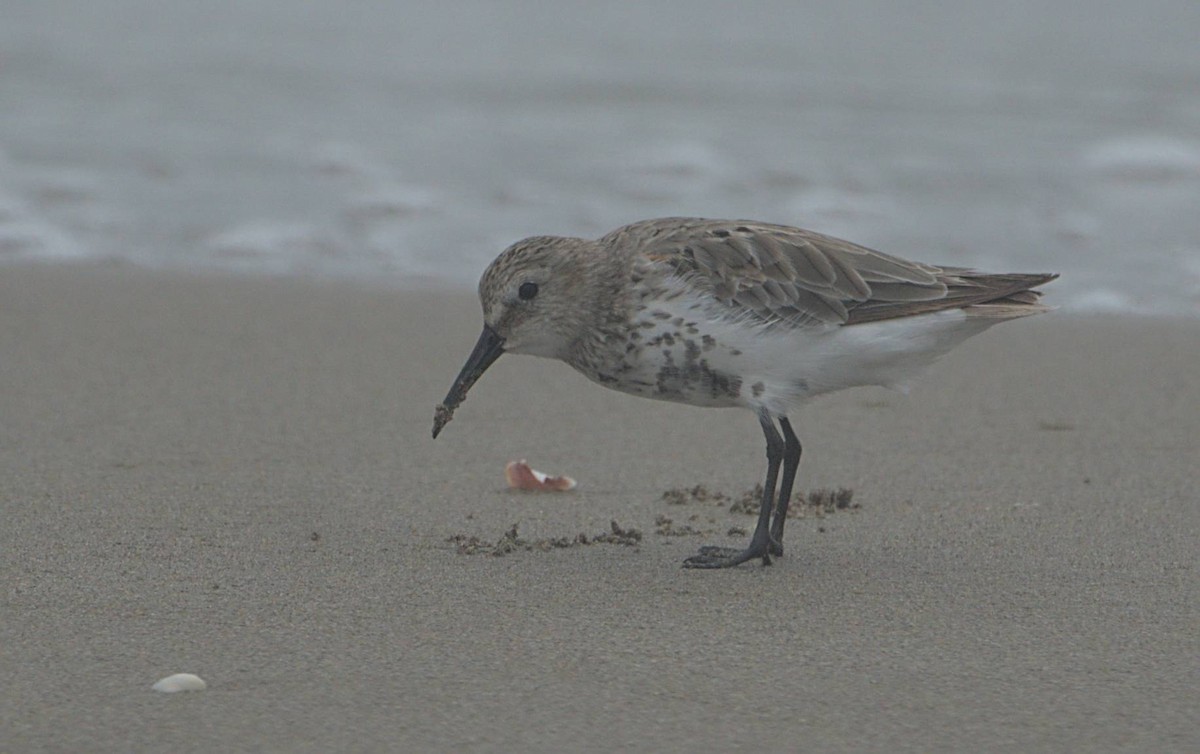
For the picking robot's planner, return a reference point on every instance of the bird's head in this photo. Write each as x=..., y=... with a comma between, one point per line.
x=533, y=303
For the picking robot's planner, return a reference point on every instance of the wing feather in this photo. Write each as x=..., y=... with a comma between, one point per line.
x=778, y=273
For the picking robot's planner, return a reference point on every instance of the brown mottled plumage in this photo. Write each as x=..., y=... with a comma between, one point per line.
x=796, y=275
x=732, y=313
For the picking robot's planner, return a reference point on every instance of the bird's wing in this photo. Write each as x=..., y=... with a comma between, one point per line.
x=783, y=274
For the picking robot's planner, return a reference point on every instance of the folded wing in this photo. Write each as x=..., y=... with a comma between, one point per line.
x=783, y=274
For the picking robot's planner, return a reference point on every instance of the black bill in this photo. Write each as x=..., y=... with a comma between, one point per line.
x=487, y=349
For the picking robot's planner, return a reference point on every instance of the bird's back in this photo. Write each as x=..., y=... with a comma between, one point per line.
x=781, y=274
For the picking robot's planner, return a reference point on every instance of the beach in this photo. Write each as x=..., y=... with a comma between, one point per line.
x=234, y=477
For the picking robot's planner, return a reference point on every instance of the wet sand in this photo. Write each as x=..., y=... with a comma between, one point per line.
x=235, y=478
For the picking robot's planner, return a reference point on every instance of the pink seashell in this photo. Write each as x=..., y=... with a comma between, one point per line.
x=521, y=477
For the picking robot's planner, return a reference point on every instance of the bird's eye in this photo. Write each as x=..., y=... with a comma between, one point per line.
x=527, y=291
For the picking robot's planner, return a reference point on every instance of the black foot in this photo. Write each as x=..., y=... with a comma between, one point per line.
x=716, y=551
x=727, y=557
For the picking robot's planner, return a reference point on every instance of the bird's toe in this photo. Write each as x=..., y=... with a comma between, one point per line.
x=726, y=557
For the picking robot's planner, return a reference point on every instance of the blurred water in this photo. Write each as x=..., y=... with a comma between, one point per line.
x=410, y=142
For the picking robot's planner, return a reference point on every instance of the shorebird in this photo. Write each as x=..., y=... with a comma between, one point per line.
x=733, y=313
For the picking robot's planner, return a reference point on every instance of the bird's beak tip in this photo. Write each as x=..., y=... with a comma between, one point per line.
x=488, y=348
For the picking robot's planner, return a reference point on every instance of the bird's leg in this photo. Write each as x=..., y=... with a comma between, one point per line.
x=760, y=543
x=791, y=461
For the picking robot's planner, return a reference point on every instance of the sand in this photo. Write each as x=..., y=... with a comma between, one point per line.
x=234, y=478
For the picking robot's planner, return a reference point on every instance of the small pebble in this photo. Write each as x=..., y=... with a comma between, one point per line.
x=180, y=682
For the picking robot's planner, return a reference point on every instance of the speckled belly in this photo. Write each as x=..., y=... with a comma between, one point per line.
x=670, y=358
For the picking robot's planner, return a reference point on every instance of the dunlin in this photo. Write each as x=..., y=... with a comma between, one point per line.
x=732, y=313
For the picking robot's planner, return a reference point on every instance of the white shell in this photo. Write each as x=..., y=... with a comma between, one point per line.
x=180, y=682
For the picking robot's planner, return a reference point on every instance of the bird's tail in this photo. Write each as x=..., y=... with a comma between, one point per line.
x=1022, y=302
